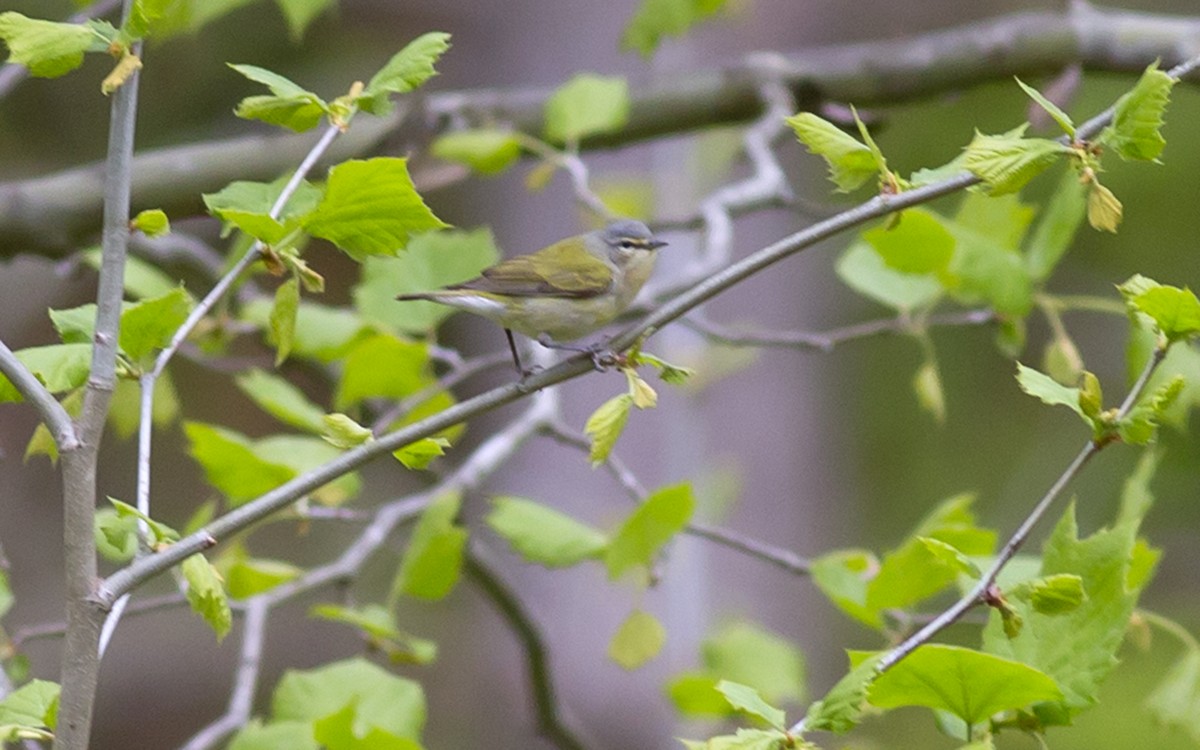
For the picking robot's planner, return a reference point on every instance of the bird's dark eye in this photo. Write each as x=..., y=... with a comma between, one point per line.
x=628, y=244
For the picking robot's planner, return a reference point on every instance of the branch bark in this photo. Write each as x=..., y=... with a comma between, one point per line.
x=51, y=215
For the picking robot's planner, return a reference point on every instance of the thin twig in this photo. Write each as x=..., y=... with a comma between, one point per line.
x=521, y=623
x=57, y=420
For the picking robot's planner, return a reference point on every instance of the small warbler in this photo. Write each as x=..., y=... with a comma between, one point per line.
x=562, y=292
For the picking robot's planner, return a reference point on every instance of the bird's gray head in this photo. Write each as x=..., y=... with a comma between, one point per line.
x=628, y=235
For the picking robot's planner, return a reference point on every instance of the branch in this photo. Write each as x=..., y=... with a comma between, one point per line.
x=127, y=578
x=51, y=411
x=550, y=723
x=983, y=589
x=52, y=214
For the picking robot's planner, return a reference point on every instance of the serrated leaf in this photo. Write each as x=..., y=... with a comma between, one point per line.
x=1104, y=210
x=370, y=207
x=949, y=556
x=282, y=400
x=34, y=704
x=283, y=318
x=116, y=535
x=150, y=324
x=605, y=425
x=418, y=455
x=162, y=533
x=745, y=739
x=379, y=625
x=655, y=522
x=841, y=708
x=432, y=260
x=970, y=684
x=639, y=639
x=433, y=561
x=1057, y=594
x=380, y=699
x=1135, y=131
x=644, y=396
x=247, y=205
x=1175, y=311
x=673, y=374
x=300, y=13
x=231, y=464
x=206, y=594
x=543, y=535
x=152, y=222
x=586, y=105
x=918, y=244
x=405, y=71
x=655, y=19
x=1048, y=390
x=48, y=49
x=486, y=150
x=864, y=271
x=1062, y=118
x=850, y=162
x=290, y=106
x=745, y=698
x=1007, y=162
x=60, y=367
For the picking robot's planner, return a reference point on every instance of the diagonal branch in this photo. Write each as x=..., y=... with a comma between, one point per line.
x=51, y=411
x=53, y=213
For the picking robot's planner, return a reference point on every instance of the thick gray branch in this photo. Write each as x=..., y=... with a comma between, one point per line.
x=52, y=214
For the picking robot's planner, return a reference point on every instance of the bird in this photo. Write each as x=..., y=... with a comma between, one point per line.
x=562, y=292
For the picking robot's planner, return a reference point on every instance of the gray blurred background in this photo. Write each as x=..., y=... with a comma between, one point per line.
x=827, y=450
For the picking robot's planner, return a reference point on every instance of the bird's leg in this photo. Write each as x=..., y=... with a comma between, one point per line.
x=512, y=347
x=602, y=356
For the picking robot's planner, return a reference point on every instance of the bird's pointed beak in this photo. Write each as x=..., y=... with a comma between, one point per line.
x=655, y=244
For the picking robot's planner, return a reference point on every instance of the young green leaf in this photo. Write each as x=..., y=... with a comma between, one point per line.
x=863, y=269
x=639, y=639
x=1135, y=131
x=433, y=560
x=247, y=206
x=152, y=222
x=325, y=334
x=282, y=400
x=383, y=366
x=1057, y=594
x=747, y=699
x=663, y=514
x=927, y=384
x=142, y=280
x=970, y=684
x=379, y=626
x=1048, y=390
x=231, y=463
x=673, y=374
x=405, y=71
x=1062, y=118
x=747, y=739
x=304, y=453
x=47, y=48
x=543, y=535
x=162, y=533
x=1007, y=162
x=747, y=654
x=300, y=13
x=918, y=244
x=655, y=19
x=1057, y=226
x=418, y=455
x=1176, y=700
x=150, y=324
x=850, y=162
x=370, y=207
x=206, y=594
x=1175, y=311
x=839, y=711
x=33, y=705
x=605, y=426
x=380, y=699
x=283, y=318
x=343, y=432
x=586, y=105
x=1104, y=210
x=486, y=150
x=694, y=694
x=290, y=106
x=60, y=367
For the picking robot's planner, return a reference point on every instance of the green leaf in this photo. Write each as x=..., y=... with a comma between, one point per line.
x=370, y=207
x=746, y=739
x=1062, y=118
x=433, y=561
x=1006, y=162
x=694, y=694
x=970, y=684
x=918, y=244
x=290, y=106
x=383, y=366
x=143, y=16
x=323, y=333
x=381, y=699
x=343, y=432
x=586, y=105
x=663, y=514
x=378, y=624
x=655, y=19
x=927, y=384
x=864, y=271
x=231, y=463
x=850, y=162
x=162, y=533
x=152, y=222
x=60, y=367
x=150, y=324
x=1176, y=700
x=282, y=400
x=302, y=454
x=433, y=260
x=249, y=576
x=142, y=280
x=841, y=708
x=1138, y=119
x=34, y=704
x=405, y=71
x=543, y=535
x=116, y=535
x=843, y=576
x=1175, y=311
x=1057, y=227
x=986, y=265
x=1049, y=391
x=1104, y=210
x=1078, y=647
x=949, y=556
x=746, y=698
x=1056, y=594
x=278, y=735
x=337, y=732
x=747, y=654
x=47, y=48
x=673, y=374
x=283, y=318
x=206, y=594
x=639, y=639
x=485, y=150
x=605, y=425
x=300, y=13
x=247, y=206
x=418, y=455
